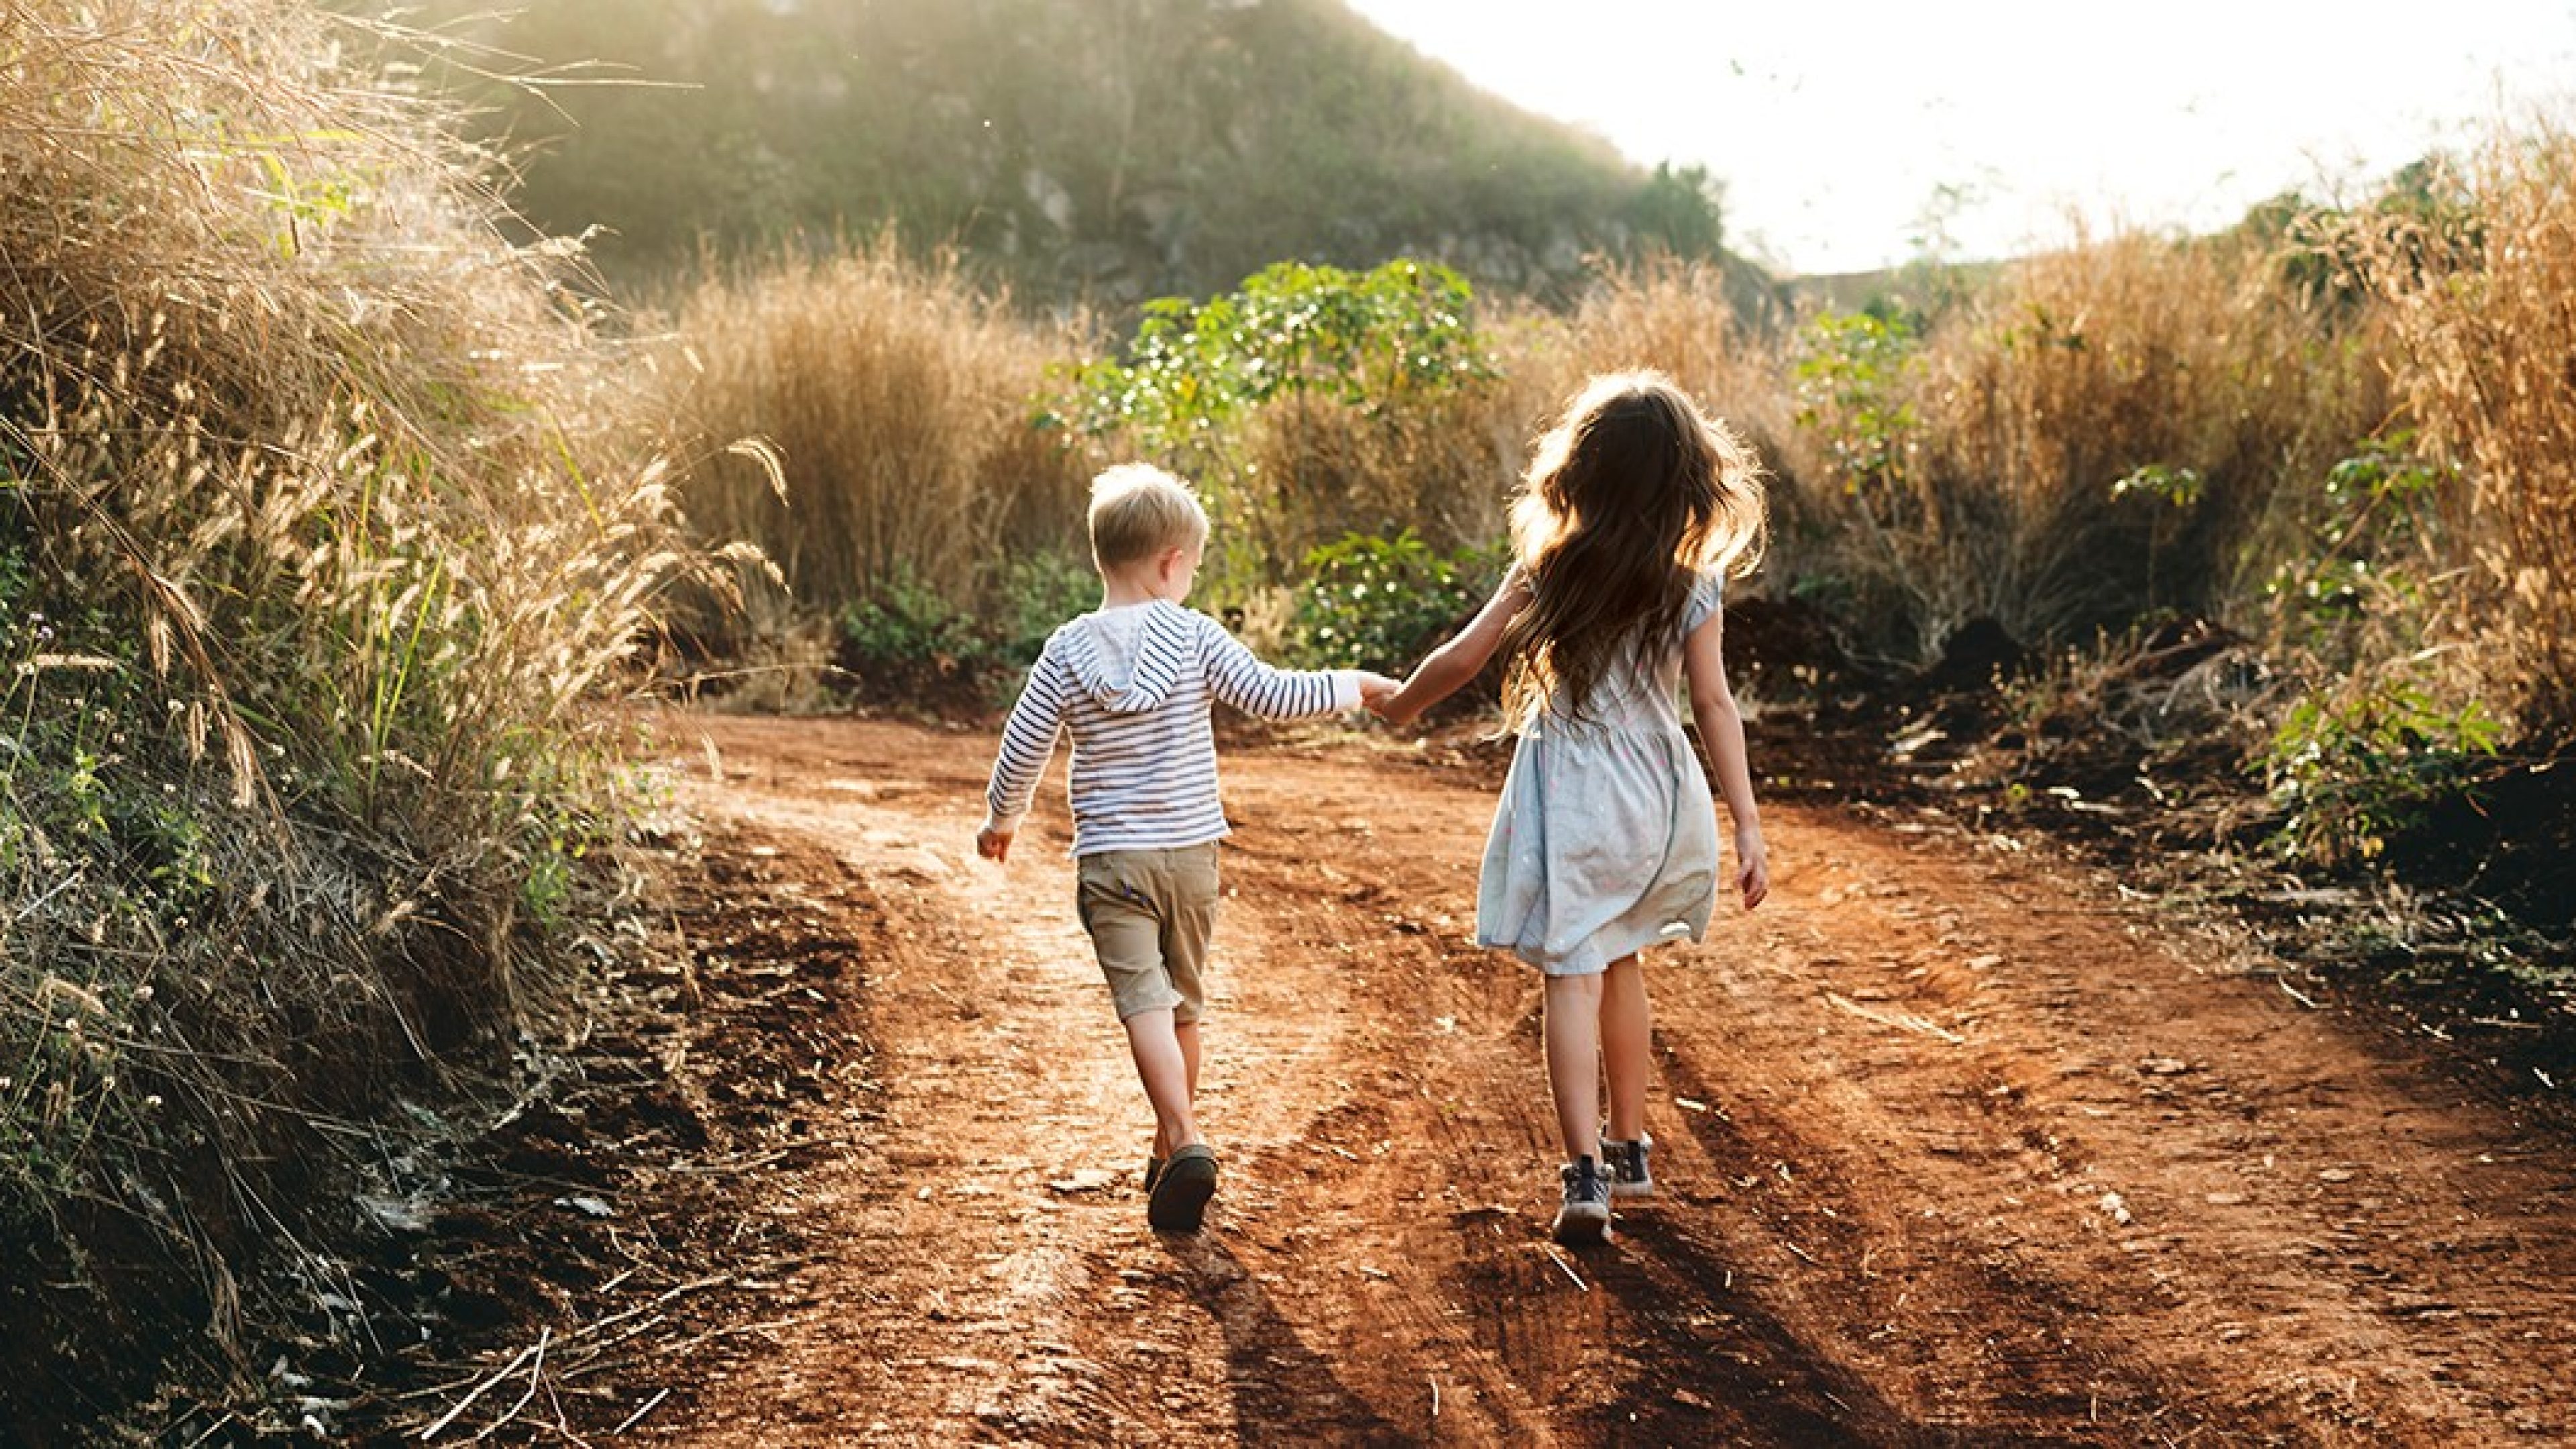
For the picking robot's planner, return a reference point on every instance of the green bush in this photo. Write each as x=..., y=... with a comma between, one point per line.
x=2374, y=535
x=903, y=642
x=2355, y=766
x=1316, y=351
x=1037, y=594
x=1380, y=603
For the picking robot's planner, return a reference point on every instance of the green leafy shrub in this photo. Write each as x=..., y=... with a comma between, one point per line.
x=2387, y=725
x=1372, y=339
x=905, y=643
x=1851, y=374
x=2356, y=589
x=1380, y=603
x=1853, y=377
x=1298, y=353
x=2356, y=766
x=1037, y=594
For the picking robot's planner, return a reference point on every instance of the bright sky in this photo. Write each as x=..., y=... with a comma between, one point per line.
x=1845, y=131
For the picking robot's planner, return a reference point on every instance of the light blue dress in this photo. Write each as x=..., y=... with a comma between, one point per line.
x=1605, y=840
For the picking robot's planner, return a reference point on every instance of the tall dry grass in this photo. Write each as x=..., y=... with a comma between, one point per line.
x=2479, y=287
x=2135, y=423
x=1678, y=318
x=2104, y=430
x=316, y=542
x=895, y=407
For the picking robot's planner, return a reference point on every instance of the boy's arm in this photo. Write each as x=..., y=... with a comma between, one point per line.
x=1237, y=676
x=1446, y=670
x=1028, y=742
x=1721, y=733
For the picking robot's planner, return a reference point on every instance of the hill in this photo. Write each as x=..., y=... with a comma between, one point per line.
x=1113, y=149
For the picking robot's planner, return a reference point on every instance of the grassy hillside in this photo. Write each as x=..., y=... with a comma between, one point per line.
x=320, y=529
x=1116, y=149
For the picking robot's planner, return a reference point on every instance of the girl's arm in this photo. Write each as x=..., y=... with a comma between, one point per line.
x=1721, y=733
x=1446, y=670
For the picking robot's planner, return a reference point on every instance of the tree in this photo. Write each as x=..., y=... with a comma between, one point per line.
x=1681, y=210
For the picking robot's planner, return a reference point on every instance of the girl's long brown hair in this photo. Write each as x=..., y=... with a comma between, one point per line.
x=1629, y=498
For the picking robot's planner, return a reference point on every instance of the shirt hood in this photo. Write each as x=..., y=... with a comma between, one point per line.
x=1127, y=659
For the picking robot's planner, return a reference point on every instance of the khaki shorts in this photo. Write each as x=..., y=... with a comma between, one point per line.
x=1150, y=914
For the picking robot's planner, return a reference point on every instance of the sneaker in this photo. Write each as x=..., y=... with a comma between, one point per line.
x=1626, y=1164
x=1178, y=1202
x=1584, y=1216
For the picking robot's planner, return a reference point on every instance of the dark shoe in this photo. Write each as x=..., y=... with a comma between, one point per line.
x=1625, y=1162
x=1584, y=1216
x=1153, y=1171
x=1178, y=1202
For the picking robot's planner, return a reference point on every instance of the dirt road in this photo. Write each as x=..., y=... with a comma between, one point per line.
x=1955, y=1148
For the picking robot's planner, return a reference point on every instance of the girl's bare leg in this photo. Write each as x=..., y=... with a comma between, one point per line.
x=1627, y=1046
x=1573, y=1030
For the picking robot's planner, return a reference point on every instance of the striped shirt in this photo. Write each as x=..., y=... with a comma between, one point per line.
x=1133, y=685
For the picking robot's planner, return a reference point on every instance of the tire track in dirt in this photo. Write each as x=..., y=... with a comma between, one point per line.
x=1954, y=1149
x=1648, y=1344
x=2137, y=1163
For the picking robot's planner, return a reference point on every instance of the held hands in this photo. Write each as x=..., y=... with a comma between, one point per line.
x=1376, y=690
x=1378, y=693
x=993, y=844
x=1753, y=872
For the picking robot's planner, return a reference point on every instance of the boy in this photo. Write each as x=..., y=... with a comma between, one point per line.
x=1132, y=681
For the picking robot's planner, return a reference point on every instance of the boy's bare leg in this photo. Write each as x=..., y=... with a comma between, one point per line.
x=1165, y=1070
x=1574, y=1061
x=1627, y=1046
x=1188, y=1034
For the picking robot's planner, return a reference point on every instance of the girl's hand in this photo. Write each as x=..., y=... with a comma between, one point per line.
x=1753, y=871
x=993, y=844
x=1375, y=690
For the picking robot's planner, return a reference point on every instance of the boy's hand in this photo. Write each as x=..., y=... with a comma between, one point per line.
x=993, y=844
x=1376, y=690
x=1753, y=873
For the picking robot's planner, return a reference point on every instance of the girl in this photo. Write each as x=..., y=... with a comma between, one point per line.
x=1635, y=509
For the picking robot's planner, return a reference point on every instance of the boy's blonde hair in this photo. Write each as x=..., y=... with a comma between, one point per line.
x=1137, y=510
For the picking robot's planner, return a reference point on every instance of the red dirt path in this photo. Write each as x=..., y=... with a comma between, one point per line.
x=1954, y=1148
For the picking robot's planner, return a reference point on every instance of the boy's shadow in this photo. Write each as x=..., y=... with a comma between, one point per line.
x=1284, y=1392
